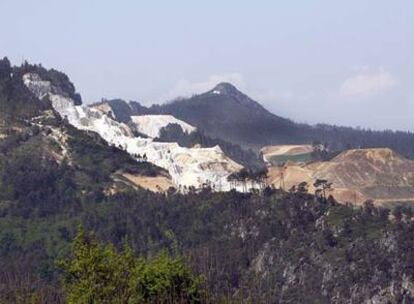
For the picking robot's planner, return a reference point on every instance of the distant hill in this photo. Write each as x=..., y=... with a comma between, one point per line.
x=226, y=113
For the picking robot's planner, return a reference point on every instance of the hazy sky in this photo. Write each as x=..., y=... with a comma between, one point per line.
x=347, y=62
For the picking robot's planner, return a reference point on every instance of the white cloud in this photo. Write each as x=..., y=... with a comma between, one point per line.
x=186, y=88
x=368, y=83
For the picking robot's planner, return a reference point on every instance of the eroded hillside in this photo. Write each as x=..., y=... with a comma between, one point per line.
x=356, y=176
x=188, y=167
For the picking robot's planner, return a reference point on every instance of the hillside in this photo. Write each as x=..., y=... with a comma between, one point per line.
x=188, y=167
x=175, y=130
x=356, y=176
x=57, y=171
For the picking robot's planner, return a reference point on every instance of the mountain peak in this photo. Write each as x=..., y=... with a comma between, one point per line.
x=229, y=91
x=226, y=88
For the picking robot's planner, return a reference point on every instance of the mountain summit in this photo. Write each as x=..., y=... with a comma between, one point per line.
x=225, y=112
x=227, y=89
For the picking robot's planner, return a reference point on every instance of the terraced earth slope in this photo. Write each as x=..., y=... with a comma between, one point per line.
x=357, y=175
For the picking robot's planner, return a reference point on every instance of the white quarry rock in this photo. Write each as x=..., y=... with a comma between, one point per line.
x=187, y=166
x=151, y=125
x=36, y=85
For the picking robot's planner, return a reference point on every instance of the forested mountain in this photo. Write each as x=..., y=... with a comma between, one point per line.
x=267, y=246
x=226, y=113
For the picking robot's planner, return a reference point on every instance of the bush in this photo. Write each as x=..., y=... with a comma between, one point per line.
x=98, y=273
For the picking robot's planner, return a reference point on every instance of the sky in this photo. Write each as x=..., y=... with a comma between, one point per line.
x=315, y=61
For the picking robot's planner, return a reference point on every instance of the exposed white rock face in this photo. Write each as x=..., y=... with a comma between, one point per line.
x=187, y=166
x=151, y=125
x=38, y=86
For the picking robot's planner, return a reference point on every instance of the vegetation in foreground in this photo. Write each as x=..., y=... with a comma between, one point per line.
x=98, y=273
x=277, y=247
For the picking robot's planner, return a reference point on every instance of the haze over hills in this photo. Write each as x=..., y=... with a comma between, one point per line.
x=247, y=180
x=176, y=145
x=221, y=112
x=63, y=164
x=226, y=113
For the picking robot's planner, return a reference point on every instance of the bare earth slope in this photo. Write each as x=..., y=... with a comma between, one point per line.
x=357, y=175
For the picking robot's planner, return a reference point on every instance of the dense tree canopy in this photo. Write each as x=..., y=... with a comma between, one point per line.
x=98, y=273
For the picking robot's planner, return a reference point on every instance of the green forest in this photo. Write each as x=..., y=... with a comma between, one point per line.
x=140, y=247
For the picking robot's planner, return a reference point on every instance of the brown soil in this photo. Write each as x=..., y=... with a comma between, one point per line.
x=357, y=175
x=155, y=184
